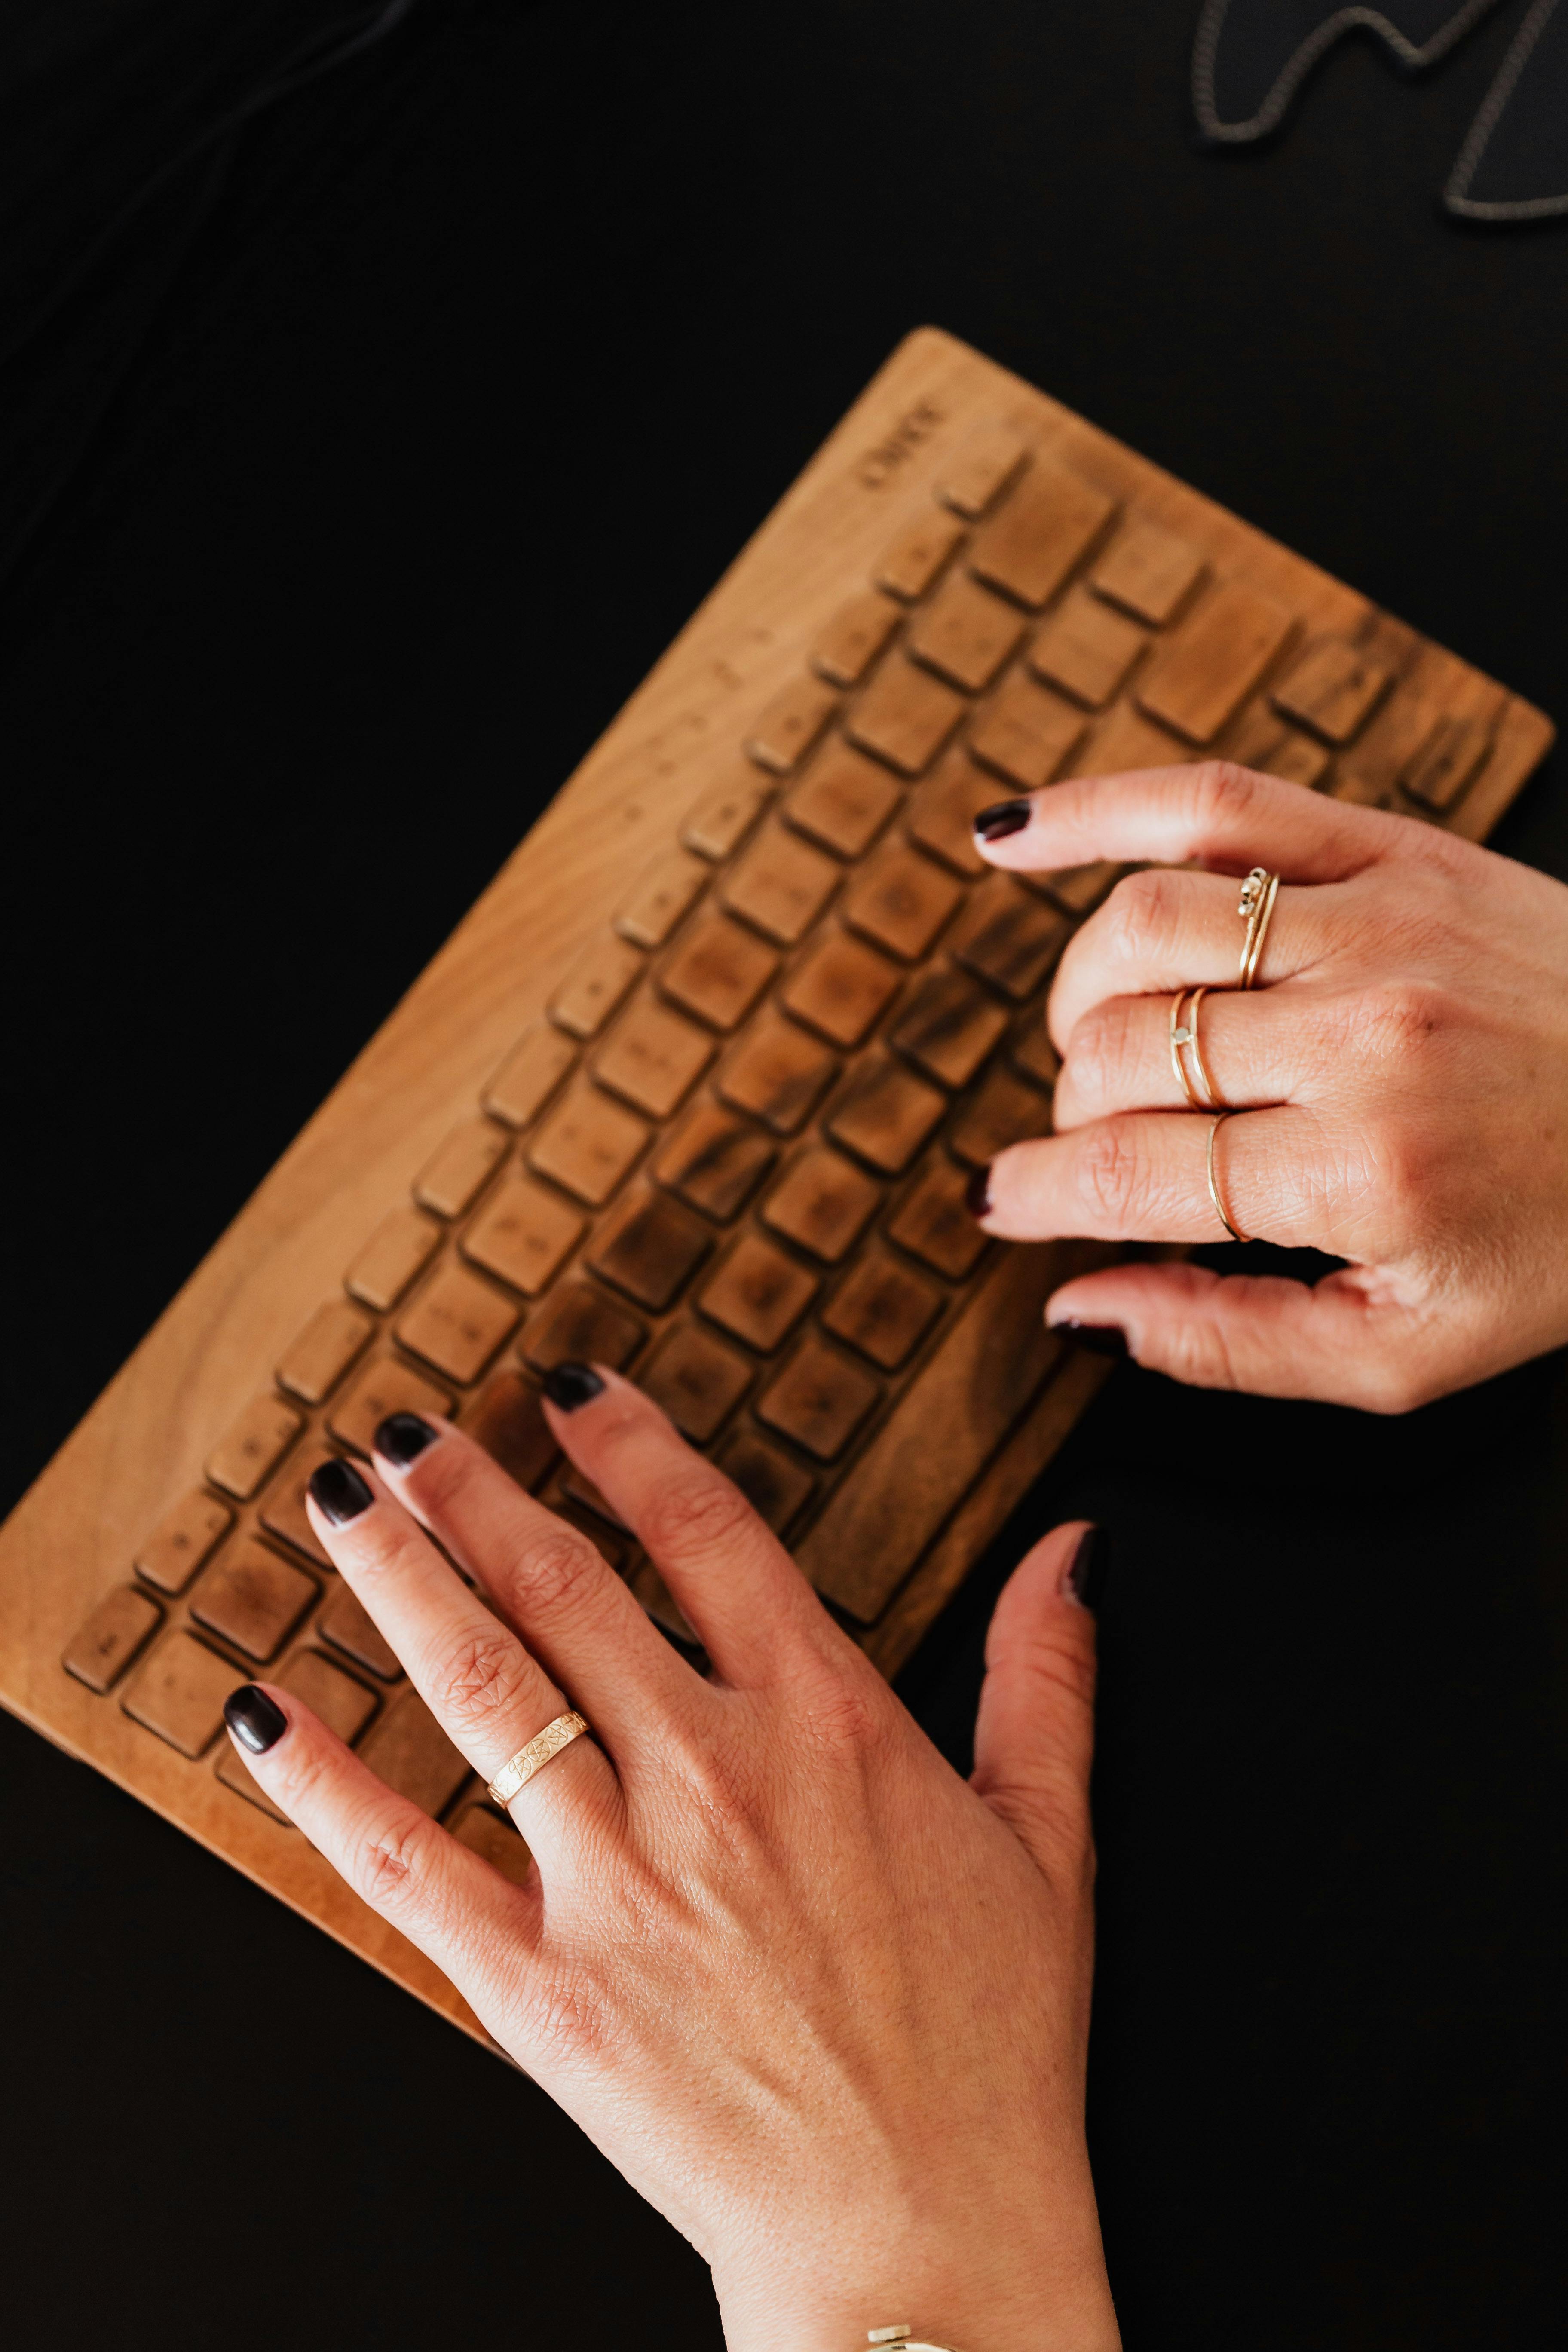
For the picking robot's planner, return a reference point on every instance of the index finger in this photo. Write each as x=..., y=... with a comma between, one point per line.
x=1212, y=811
x=742, y=1591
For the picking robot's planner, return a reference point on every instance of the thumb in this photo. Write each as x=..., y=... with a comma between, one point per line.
x=1034, y=1736
x=1335, y=1340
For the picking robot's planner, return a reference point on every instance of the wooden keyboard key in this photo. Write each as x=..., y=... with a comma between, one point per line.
x=1010, y=937
x=1032, y=1050
x=334, y=1337
x=943, y=810
x=965, y=634
x=823, y=1203
x=588, y=1146
x=781, y=885
x=284, y=1513
x=582, y=1491
x=885, y=1114
x=775, y=1487
x=1081, y=888
x=718, y=970
x=1332, y=690
x=179, y=1692
x=715, y=1160
x=495, y=1841
x=819, y=1399
x=117, y=1632
x=852, y=640
x=905, y=716
x=1448, y=763
x=1086, y=649
x=883, y=1311
x=400, y=1248
x=1148, y=572
x=650, y=1248
x=653, y=1058
x=844, y=801
x=384, y=1386
x=948, y=1028
x=1262, y=739
x=451, y=1181
x=668, y=891
x=840, y=988
x=182, y=1540
x=1041, y=535
x=981, y=469
x=523, y=1233
x=922, y=550
x=408, y=1749
x=529, y=1075
x=934, y=1223
x=253, y=1448
x=901, y=901
x=758, y=1293
x=599, y=977
x=1201, y=676
x=458, y=1322
x=506, y=1418
x=723, y=817
x=941, y=1434
x=696, y=1379
x=349, y=1626
x=579, y=1326
x=1025, y=733
x=777, y=1072
x=791, y=725
x=1125, y=742
x=1002, y=1110
x=252, y=1597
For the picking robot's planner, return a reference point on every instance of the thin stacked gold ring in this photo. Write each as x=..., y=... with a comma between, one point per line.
x=1256, y=907
x=1184, y=1037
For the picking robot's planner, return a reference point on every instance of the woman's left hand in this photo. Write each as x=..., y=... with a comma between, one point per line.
x=822, y=2002
x=1402, y=1063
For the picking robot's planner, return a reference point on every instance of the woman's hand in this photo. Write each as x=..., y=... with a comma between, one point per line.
x=1403, y=1058
x=823, y=2003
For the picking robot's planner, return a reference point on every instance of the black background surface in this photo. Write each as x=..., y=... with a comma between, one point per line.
x=343, y=506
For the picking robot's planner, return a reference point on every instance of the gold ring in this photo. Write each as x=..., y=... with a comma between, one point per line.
x=1185, y=1033
x=1219, y=1208
x=1256, y=907
x=519, y=1769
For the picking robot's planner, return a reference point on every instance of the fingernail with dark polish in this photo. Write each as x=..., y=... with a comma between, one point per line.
x=1084, y=1575
x=1003, y=817
x=571, y=1385
x=402, y=1437
x=1099, y=1338
x=977, y=1192
x=257, y=1721
x=339, y=1493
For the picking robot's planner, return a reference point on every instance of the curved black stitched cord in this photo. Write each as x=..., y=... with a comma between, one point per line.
x=1333, y=28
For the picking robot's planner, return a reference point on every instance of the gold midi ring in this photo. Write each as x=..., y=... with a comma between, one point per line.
x=519, y=1770
x=1221, y=1212
x=1184, y=1034
x=1256, y=907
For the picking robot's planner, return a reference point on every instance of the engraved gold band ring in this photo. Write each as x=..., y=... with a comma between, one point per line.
x=519, y=1769
x=1256, y=907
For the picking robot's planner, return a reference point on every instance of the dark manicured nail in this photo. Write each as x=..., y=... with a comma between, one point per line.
x=403, y=1437
x=339, y=1492
x=257, y=1721
x=1084, y=1575
x=1003, y=817
x=571, y=1385
x=977, y=1192
x=1099, y=1338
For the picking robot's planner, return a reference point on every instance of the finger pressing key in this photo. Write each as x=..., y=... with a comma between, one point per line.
x=490, y=1696
x=751, y=1606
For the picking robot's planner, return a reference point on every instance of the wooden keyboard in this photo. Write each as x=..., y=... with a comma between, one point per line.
x=696, y=1088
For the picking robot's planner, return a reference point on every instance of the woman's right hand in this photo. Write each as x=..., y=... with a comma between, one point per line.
x=822, y=2002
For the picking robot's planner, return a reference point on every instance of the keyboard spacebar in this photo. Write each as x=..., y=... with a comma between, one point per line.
x=940, y=1437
